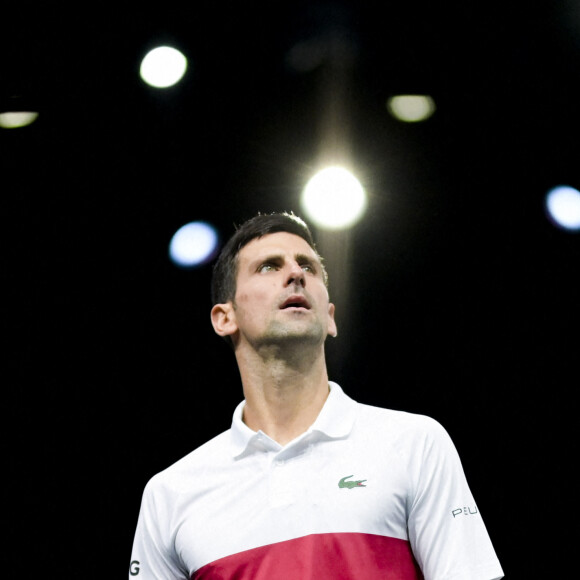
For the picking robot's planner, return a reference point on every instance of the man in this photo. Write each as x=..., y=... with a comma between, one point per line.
x=307, y=483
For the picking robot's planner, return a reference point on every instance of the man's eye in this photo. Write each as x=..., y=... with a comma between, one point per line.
x=308, y=268
x=266, y=268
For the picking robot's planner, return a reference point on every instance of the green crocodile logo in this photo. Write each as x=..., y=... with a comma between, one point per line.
x=351, y=484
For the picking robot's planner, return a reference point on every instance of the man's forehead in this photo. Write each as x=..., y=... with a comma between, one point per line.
x=276, y=243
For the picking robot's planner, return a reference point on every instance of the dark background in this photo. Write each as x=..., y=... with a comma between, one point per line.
x=458, y=297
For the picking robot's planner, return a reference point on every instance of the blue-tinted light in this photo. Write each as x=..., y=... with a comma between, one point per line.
x=193, y=244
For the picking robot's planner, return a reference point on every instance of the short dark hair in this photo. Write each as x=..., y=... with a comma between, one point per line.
x=225, y=270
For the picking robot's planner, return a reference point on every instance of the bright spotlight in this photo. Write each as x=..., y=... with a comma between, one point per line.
x=334, y=199
x=563, y=207
x=411, y=108
x=163, y=67
x=17, y=119
x=193, y=244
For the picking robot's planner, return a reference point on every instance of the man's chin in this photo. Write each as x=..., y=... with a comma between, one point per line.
x=296, y=333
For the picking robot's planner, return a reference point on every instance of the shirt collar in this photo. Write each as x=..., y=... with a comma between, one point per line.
x=334, y=421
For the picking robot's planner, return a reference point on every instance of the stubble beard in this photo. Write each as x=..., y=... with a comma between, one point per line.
x=292, y=336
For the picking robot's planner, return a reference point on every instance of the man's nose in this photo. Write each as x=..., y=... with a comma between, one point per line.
x=296, y=275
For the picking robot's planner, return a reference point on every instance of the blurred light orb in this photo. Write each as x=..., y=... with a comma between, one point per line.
x=17, y=119
x=334, y=199
x=411, y=108
x=163, y=67
x=563, y=207
x=193, y=244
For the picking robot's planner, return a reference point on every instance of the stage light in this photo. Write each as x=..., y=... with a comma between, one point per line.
x=193, y=244
x=334, y=199
x=411, y=108
x=163, y=67
x=17, y=119
x=563, y=207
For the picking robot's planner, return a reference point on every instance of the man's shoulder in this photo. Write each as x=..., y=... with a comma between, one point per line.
x=201, y=459
x=398, y=421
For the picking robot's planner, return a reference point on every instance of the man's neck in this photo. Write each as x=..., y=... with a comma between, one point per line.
x=283, y=399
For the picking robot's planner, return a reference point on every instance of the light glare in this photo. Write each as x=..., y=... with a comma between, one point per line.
x=162, y=67
x=334, y=199
x=16, y=119
x=411, y=108
x=193, y=244
x=563, y=207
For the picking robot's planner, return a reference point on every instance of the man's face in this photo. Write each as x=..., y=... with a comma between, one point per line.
x=280, y=292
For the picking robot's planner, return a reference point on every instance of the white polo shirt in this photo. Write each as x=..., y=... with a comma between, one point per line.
x=364, y=493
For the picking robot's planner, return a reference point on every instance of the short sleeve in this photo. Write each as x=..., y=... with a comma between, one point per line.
x=153, y=556
x=446, y=530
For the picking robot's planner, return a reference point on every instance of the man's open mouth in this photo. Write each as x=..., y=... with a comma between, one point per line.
x=295, y=302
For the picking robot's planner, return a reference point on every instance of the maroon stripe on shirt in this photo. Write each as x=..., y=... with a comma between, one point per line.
x=319, y=557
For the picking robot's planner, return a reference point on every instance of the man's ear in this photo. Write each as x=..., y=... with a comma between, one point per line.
x=223, y=319
x=332, y=329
